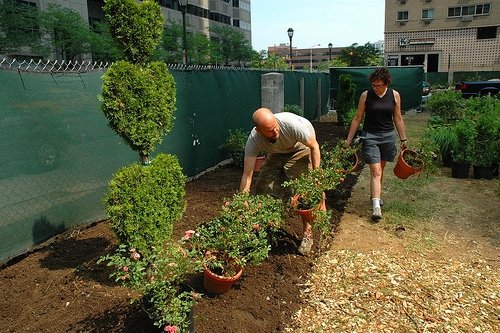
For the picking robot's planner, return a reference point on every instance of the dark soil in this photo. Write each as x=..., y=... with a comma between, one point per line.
x=60, y=288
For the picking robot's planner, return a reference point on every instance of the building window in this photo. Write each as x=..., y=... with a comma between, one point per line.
x=403, y=16
x=427, y=14
x=487, y=33
x=483, y=9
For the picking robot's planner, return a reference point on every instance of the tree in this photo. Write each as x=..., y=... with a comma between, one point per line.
x=19, y=26
x=272, y=61
x=337, y=62
x=170, y=47
x=365, y=55
x=199, y=49
x=103, y=45
x=231, y=45
x=70, y=36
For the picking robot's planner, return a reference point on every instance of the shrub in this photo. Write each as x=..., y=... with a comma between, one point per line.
x=137, y=27
x=139, y=103
x=144, y=202
x=235, y=145
x=485, y=113
x=447, y=105
x=293, y=108
x=465, y=132
x=347, y=89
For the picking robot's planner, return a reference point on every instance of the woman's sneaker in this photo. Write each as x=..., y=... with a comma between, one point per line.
x=377, y=214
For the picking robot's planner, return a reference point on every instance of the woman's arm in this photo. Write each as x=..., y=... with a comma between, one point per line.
x=398, y=119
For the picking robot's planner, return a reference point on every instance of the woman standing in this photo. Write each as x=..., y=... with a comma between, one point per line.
x=380, y=107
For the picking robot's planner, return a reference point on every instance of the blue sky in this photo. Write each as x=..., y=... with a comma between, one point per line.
x=340, y=22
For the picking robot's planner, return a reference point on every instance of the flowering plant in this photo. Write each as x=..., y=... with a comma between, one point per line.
x=310, y=186
x=239, y=235
x=159, y=277
x=339, y=157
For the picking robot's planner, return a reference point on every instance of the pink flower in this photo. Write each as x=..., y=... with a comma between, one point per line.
x=188, y=234
x=135, y=256
x=125, y=268
x=170, y=329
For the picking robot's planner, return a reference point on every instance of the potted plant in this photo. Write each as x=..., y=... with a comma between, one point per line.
x=486, y=114
x=409, y=163
x=339, y=157
x=445, y=139
x=237, y=237
x=159, y=281
x=308, y=190
x=462, y=149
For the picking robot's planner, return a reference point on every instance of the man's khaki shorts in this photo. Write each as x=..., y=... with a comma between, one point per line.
x=278, y=168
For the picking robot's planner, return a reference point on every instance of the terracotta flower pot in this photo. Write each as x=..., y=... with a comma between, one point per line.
x=216, y=284
x=404, y=170
x=355, y=163
x=307, y=215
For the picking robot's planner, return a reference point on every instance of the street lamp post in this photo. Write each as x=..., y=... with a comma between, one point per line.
x=330, y=51
x=183, y=5
x=311, y=58
x=290, y=35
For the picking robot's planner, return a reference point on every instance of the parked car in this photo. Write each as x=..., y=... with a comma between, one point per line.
x=478, y=88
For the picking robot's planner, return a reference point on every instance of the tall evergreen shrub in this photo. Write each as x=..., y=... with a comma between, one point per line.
x=347, y=89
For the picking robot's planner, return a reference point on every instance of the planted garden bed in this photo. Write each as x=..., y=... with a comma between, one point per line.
x=61, y=288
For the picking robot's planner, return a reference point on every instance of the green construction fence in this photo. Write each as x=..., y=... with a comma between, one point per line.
x=58, y=153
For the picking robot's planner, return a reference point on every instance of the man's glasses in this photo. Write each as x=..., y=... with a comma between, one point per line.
x=378, y=85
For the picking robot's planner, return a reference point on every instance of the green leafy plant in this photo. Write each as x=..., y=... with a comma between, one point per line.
x=347, y=89
x=446, y=105
x=444, y=139
x=462, y=150
x=159, y=277
x=485, y=113
x=136, y=26
x=293, y=108
x=139, y=102
x=143, y=203
x=339, y=158
x=235, y=145
x=310, y=186
x=240, y=234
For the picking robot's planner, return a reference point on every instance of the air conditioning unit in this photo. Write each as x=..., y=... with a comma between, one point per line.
x=404, y=41
x=428, y=0
x=467, y=18
x=427, y=21
x=402, y=1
